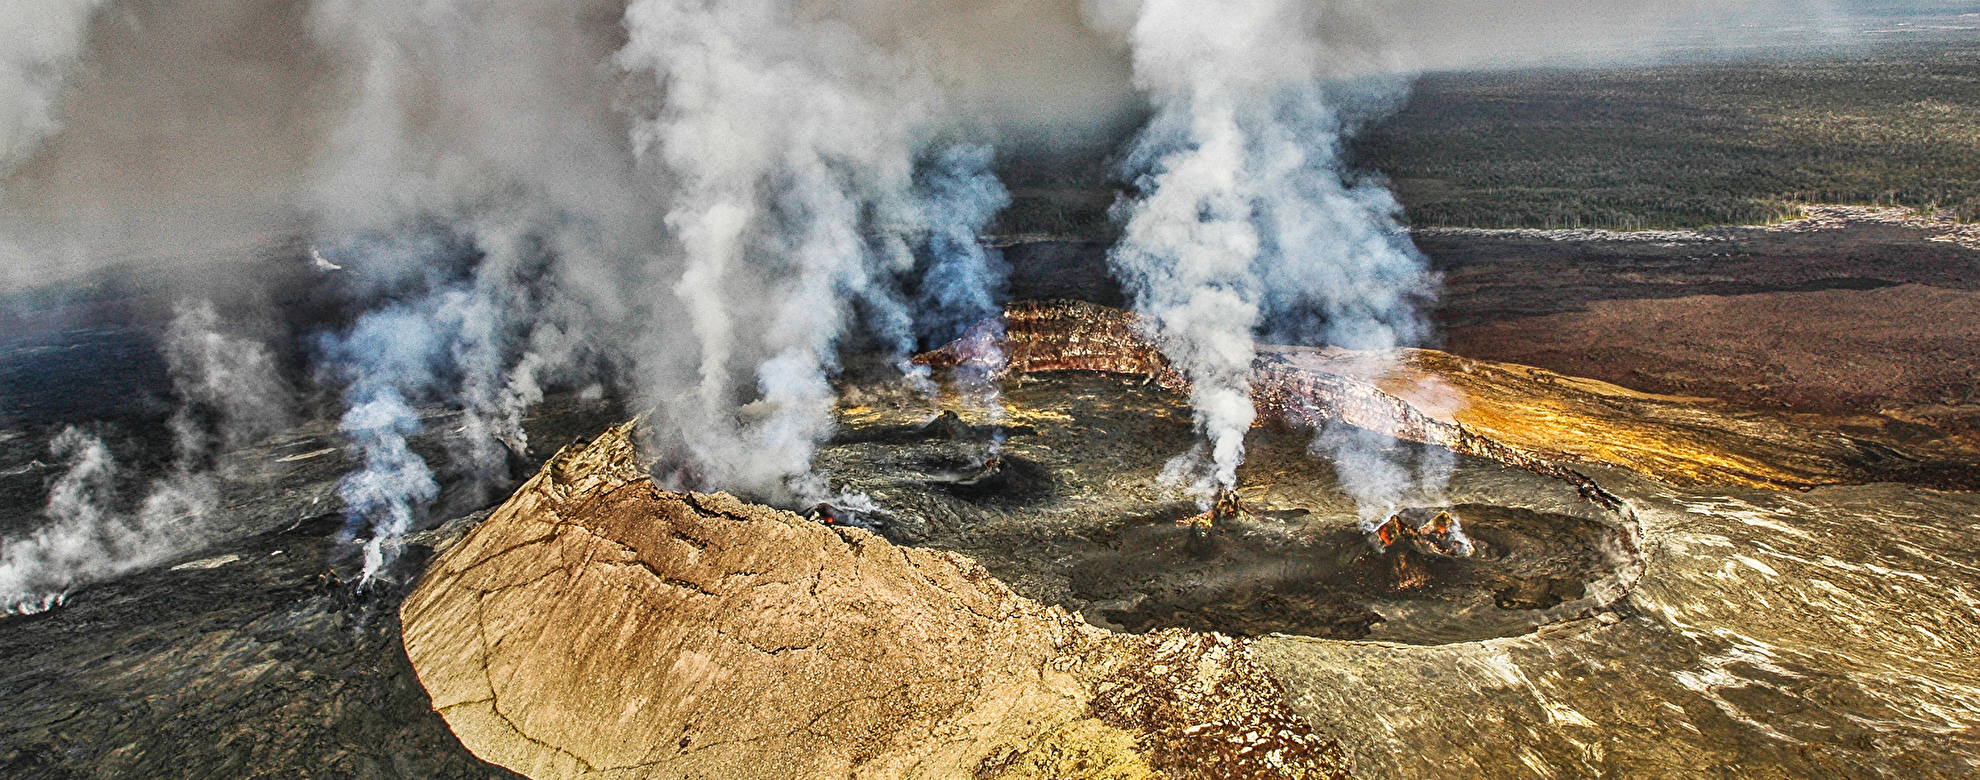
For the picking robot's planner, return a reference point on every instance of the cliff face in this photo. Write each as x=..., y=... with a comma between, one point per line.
x=597, y=626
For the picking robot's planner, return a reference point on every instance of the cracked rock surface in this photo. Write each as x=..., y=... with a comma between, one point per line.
x=597, y=626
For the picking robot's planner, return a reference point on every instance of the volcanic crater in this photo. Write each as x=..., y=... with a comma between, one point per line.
x=1071, y=508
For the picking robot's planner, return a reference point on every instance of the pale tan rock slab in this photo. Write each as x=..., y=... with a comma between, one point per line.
x=596, y=626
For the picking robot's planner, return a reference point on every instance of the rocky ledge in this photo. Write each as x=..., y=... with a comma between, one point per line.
x=598, y=626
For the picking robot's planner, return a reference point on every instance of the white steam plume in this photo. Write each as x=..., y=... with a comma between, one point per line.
x=387, y=356
x=479, y=178
x=771, y=203
x=786, y=193
x=785, y=146
x=231, y=396
x=1248, y=216
x=84, y=539
x=207, y=123
x=1250, y=222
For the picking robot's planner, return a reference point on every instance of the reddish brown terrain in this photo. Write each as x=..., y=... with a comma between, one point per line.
x=1866, y=319
x=1857, y=320
x=1910, y=350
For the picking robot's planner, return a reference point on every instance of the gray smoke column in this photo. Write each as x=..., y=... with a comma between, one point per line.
x=231, y=396
x=489, y=391
x=231, y=376
x=784, y=144
x=1247, y=216
x=84, y=538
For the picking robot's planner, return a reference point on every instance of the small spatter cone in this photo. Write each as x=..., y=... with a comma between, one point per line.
x=1225, y=505
x=1428, y=530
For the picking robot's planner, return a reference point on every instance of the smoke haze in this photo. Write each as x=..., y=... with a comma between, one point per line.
x=145, y=130
x=700, y=204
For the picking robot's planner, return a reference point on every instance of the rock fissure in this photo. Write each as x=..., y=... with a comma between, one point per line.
x=563, y=570
x=498, y=554
x=493, y=700
x=673, y=581
x=495, y=706
x=700, y=505
x=774, y=650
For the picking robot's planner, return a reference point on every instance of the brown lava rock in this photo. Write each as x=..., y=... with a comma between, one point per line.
x=597, y=626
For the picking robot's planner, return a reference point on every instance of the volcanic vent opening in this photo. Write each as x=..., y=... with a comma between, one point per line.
x=1064, y=501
